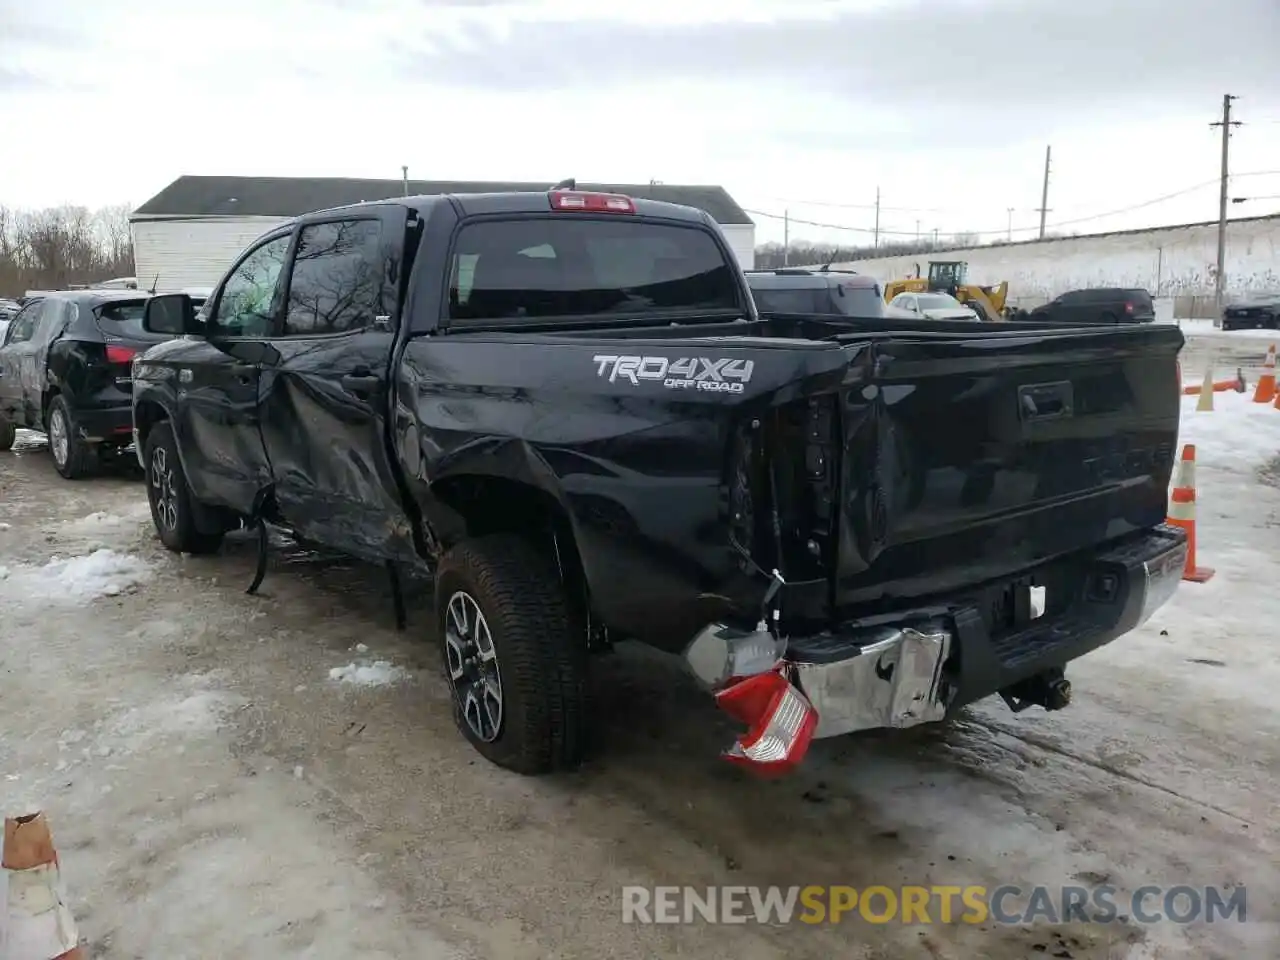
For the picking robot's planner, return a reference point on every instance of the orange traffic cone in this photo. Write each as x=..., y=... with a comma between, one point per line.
x=1236, y=383
x=1265, y=391
x=39, y=925
x=1182, y=512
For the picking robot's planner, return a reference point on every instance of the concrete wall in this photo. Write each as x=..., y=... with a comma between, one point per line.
x=1175, y=262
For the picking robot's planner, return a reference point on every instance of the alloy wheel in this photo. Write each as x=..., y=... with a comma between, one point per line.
x=164, y=493
x=59, y=437
x=473, y=666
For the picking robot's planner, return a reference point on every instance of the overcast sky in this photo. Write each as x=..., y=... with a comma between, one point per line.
x=803, y=106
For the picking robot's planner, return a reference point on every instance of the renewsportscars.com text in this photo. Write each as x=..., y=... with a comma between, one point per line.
x=1007, y=904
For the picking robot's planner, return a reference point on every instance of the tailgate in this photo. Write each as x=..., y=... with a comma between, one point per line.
x=971, y=457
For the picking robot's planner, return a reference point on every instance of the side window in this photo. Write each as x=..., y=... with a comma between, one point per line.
x=336, y=282
x=244, y=305
x=53, y=319
x=24, y=324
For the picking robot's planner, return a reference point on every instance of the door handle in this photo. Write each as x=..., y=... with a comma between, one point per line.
x=361, y=383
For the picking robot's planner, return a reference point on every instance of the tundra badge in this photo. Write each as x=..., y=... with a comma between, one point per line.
x=724, y=375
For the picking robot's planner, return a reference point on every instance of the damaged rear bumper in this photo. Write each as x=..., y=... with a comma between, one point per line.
x=916, y=666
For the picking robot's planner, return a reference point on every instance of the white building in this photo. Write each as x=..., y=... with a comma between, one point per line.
x=187, y=235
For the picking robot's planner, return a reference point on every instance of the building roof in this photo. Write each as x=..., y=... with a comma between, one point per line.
x=294, y=196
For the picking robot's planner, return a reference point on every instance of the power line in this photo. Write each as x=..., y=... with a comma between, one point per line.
x=1005, y=230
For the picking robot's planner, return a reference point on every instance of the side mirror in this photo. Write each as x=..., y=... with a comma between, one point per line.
x=173, y=314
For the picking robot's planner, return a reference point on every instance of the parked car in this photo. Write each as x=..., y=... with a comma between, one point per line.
x=566, y=406
x=65, y=371
x=803, y=290
x=934, y=306
x=1261, y=312
x=1096, y=305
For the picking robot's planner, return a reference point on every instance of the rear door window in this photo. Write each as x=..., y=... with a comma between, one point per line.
x=568, y=266
x=335, y=284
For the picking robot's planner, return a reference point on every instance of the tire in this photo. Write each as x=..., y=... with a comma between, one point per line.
x=537, y=657
x=72, y=457
x=8, y=434
x=169, y=496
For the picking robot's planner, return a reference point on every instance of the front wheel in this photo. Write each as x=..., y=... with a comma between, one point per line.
x=516, y=665
x=170, y=496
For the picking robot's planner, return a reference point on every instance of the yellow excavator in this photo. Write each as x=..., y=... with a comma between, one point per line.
x=951, y=276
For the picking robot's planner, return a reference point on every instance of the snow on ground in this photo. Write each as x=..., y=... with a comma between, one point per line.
x=103, y=573
x=380, y=673
x=1204, y=327
x=101, y=523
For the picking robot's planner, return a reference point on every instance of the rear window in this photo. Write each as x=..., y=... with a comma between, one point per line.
x=936, y=301
x=568, y=267
x=122, y=318
x=791, y=301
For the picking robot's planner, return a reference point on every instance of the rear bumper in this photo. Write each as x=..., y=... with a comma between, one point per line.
x=107, y=423
x=911, y=667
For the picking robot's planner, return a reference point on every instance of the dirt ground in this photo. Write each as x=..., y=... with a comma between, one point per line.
x=215, y=792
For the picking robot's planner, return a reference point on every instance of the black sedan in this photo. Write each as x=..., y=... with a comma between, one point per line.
x=1255, y=313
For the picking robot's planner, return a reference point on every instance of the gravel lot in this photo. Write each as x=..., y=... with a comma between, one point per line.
x=216, y=792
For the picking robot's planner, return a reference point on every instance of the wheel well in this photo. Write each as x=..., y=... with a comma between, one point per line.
x=145, y=416
x=490, y=505
x=46, y=402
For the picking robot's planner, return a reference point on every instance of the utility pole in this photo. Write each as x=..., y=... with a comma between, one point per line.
x=877, y=240
x=404, y=173
x=1226, y=123
x=935, y=237
x=1009, y=235
x=917, y=231
x=786, y=237
x=1044, y=192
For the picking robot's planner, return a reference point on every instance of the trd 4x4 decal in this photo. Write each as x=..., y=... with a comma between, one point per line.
x=686, y=373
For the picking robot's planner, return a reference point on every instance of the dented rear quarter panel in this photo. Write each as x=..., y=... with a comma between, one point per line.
x=639, y=468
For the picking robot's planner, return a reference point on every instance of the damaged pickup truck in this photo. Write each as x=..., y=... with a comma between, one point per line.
x=567, y=408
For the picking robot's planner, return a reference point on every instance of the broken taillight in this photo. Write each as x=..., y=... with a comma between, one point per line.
x=780, y=720
x=120, y=354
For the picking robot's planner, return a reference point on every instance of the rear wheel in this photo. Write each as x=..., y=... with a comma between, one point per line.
x=72, y=457
x=170, y=496
x=516, y=665
x=8, y=434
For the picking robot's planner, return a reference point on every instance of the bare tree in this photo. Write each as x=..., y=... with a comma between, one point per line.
x=61, y=246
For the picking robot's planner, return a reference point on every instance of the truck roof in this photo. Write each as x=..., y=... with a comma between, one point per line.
x=478, y=204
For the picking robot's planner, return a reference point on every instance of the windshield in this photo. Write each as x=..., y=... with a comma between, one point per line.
x=567, y=267
x=938, y=301
x=122, y=318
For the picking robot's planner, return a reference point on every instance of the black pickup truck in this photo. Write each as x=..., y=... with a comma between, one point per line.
x=565, y=406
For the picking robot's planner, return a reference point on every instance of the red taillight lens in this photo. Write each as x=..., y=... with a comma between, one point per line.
x=781, y=723
x=591, y=202
x=120, y=354
x=1128, y=306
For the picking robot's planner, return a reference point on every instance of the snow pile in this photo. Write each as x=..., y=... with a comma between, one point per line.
x=103, y=573
x=380, y=673
x=107, y=523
